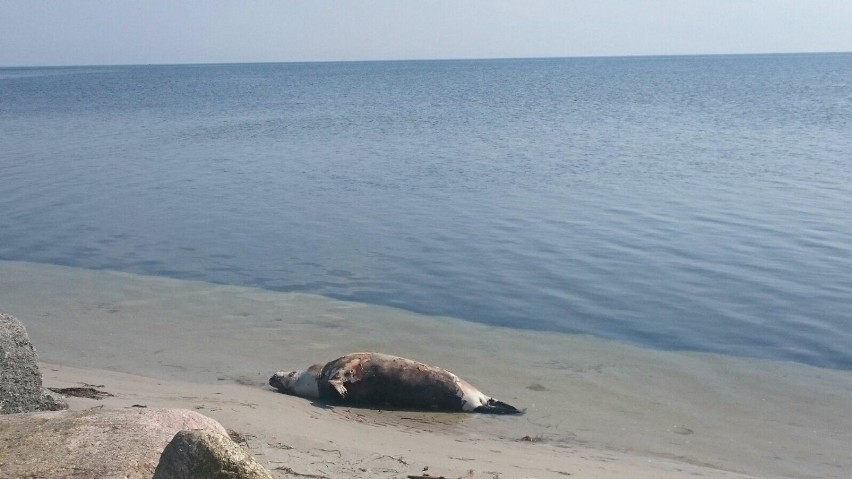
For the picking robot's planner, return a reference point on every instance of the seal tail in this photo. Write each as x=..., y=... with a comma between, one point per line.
x=497, y=407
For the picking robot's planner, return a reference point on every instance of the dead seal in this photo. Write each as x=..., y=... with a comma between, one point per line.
x=384, y=380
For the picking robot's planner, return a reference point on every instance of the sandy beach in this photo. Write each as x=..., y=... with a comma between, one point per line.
x=594, y=408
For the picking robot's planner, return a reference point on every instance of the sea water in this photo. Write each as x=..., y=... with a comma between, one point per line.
x=700, y=203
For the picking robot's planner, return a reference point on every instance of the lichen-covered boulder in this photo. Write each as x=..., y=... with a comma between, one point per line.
x=102, y=443
x=20, y=379
x=196, y=453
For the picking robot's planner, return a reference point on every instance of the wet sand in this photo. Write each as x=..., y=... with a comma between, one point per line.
x=594, y=408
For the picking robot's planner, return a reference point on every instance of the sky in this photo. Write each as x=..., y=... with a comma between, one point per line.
x=104, y=32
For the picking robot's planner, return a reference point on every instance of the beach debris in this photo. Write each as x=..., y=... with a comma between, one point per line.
x=236, y=437
x=82, y=392
x=291, y=472
x=468, y=475
x=335, y=451
x=528, y=438
x=281, y=445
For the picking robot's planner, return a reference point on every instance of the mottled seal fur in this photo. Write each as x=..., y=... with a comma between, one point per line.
x=384, y=380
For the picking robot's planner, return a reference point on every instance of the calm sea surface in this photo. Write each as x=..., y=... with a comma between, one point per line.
x=700, y=203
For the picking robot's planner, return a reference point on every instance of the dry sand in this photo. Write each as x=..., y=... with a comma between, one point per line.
x=594, y=408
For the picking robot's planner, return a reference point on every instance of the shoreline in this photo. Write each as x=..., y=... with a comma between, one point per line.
x=595, y=408
x=293, y=437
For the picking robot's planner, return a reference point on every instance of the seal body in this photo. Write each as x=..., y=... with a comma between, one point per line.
x=384, y=380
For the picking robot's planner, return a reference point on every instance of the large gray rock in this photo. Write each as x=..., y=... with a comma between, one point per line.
x=102, y=443
x=195, y=454
x=20, y=379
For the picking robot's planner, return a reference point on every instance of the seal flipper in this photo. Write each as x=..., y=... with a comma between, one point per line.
x=338, y=386
x=494, y=406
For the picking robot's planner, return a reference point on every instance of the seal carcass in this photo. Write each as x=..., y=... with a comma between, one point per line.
x=384, y=380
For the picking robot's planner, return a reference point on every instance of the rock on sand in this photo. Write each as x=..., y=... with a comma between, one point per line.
x=198, y=453
x=103, y=443
x=20, y=379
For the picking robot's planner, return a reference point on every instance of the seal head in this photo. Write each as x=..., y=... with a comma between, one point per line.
x=298, y=383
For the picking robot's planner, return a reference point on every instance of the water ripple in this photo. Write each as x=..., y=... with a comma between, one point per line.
x=693, y=203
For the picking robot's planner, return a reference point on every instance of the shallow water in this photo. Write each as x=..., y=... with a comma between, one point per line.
x=694, y=203
x=764, y=418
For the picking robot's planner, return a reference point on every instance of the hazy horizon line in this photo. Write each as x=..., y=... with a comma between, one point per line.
x=389, y=60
